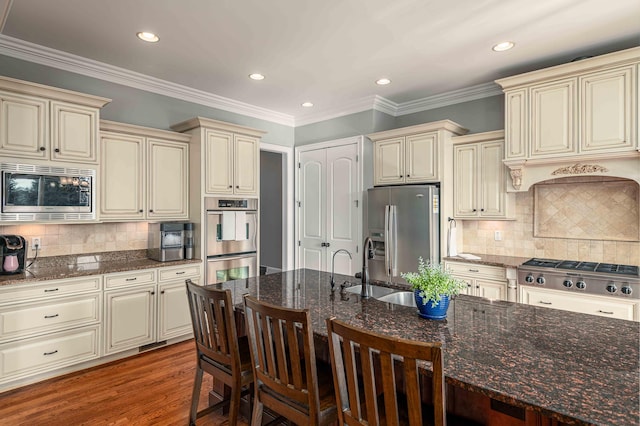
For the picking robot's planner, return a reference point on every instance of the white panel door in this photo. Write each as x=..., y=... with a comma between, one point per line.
x=312, y=214
x=343, y=207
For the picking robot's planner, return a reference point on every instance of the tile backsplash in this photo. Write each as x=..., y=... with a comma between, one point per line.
x=518, y=239
x=59, y=239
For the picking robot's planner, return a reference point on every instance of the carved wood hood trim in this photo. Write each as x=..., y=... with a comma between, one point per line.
x=525, y=173
x=579, y=169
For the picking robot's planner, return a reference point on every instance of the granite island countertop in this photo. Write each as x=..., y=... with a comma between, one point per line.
x=70, y=266
x=577, y=368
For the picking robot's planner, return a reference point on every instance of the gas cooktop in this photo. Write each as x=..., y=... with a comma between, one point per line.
x=605, y=268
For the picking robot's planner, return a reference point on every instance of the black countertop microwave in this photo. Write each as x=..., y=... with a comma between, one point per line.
x=34, y=192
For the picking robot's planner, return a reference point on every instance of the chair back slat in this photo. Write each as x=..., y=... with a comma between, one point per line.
x=214, y=327
x=380, y=357
x=275, y=337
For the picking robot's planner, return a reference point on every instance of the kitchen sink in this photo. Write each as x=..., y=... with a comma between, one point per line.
x=376, y=291
x=404, y=298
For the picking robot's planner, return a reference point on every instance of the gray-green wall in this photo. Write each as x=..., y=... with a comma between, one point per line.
x=136, y=106
x=144, y=108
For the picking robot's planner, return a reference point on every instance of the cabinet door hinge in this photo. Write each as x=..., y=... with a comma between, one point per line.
x=299, y=165
x=357, y=203
x=299, y=203
x=299, y=243
x=357, y=158
x=356, y=249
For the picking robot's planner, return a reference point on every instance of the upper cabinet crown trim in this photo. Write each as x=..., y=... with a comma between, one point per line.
x=54, y=93
x=131, y=129
x=420, y=128
x=216, y=125
x=610, y=60
x=478, y=137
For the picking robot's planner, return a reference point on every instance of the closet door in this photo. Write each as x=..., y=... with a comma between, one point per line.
x=312, y=214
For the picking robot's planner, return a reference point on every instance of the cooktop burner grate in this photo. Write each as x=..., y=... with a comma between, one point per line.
x=606, y=268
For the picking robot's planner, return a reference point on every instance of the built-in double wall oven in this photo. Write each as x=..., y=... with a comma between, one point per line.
x=231, y=244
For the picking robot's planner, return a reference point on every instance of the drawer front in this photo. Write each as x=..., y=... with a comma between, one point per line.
x=147, y=276
x=476, y=270
x=55, y=288
x=34, y=356
x=170, y=274
x=583, y=303
x=23, y=320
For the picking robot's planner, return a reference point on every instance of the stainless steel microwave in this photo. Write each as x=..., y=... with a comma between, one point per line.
x=33, y=192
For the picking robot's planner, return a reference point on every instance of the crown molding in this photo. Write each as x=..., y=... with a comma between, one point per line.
x=466, y=94
x=42, y=55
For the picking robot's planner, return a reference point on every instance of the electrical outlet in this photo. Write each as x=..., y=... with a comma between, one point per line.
x=497, y=235
x=36, y=243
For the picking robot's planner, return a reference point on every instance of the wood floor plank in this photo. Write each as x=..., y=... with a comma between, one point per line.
x=153, y=388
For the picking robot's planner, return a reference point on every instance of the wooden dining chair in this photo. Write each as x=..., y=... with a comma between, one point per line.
x=361, y=360
x=220, y=352
x=288, y=379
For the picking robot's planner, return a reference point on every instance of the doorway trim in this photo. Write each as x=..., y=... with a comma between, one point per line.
x=287, y=202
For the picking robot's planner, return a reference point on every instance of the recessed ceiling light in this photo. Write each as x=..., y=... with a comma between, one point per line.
x=147, y=36
x=307, y=104
x=383, y=81
x=502, y=46
x=256, y=76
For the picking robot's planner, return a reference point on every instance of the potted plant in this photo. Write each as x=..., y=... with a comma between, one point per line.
x=433, y=287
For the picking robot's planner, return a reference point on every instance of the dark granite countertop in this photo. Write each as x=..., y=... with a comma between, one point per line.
x=492, y=260
x=59, y=267
x=577, y=368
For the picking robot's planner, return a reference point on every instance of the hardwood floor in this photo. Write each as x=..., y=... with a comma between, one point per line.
x=153, y=388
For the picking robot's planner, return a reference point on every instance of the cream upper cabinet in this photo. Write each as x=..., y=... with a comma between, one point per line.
x=24, y=124
x=553, y=118
x=606, y=110
x=575, y=109
x=41, y=122
x=479, y=183
x=233, y=163
x=411, y=154
x=228, y=156
x=144, y=173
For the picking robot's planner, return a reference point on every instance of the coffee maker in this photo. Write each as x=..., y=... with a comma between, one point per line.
x=13, y=253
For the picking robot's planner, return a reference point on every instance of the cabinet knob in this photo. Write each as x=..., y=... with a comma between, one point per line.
x=230, y=186
x=153, y=293
x=408, y=175
x=162, y=292
x=57, y=150
x=42, y=148
x=401, y=176
x=475, y=210
x=140, y=211
x=481, y=210
x=150, y=211
x=238, y=186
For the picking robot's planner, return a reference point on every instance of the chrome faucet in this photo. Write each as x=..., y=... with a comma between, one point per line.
x=333, y=264
x=367, y=253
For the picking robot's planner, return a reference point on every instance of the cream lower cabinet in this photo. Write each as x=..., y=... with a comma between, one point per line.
x=147, y=306
x=174, y=318
x=482, y=280
x=480, y=177
x=144, y=174
x=604, y=306
x=48, y=326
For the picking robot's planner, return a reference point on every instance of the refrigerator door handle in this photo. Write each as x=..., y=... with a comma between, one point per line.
x=387, y=240
x=393, y=227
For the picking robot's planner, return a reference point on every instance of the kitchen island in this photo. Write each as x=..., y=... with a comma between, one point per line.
x=575, y=368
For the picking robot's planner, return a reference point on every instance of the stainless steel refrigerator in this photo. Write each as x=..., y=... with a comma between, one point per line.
x=404, y=224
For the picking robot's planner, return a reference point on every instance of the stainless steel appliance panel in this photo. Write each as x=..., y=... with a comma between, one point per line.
x=216, y=246
x=221, y=269
x=403, y=222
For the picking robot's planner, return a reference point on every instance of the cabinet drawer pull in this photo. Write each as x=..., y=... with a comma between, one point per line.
x=131, y=279
x=474, y=270
x=180, y=273
x=51, y=316
x=545, y=303
x=605, y=312
x=49, y=290
x=50, y=353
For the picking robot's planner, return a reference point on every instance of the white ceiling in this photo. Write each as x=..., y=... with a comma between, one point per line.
x=329, y=52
